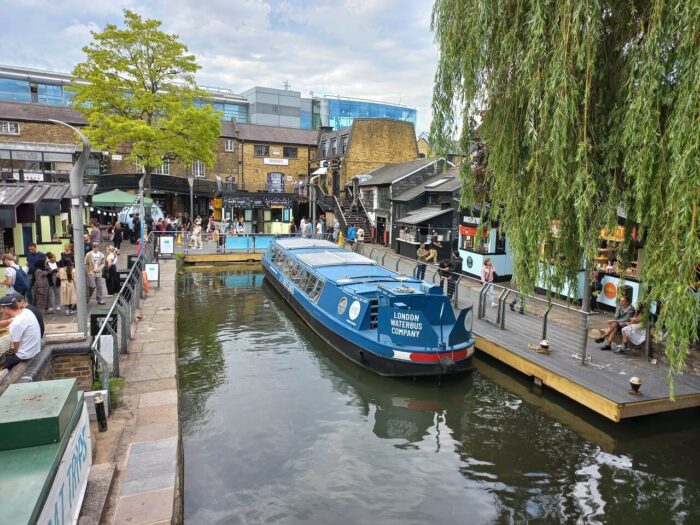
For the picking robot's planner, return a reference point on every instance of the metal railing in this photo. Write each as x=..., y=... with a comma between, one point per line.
x=532, y=318
x=123, y=309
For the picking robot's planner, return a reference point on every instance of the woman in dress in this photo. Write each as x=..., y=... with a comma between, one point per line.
x=118, y=235
x=69, y=297
x=112, y=277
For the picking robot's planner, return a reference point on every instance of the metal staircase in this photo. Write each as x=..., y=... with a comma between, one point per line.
x=345, y=213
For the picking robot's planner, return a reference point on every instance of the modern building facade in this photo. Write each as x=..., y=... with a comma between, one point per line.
x=258, y=105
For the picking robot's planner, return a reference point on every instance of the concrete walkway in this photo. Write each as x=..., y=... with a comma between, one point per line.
x=146, y=488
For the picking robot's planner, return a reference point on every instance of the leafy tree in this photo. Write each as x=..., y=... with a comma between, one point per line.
x=137, y=87
x=590, y=105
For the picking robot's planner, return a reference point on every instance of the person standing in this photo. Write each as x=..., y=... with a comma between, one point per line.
x=34, y=258
x=487, y=275
x=359, y=239
x=197, y=236
x=336, y=229
x=308, y=230
x=95, y=233
x=135, y=228
x=302, y=226
x=16, y=279
x=94, y=267
x=24, y=332
x=422, y=255
x=40, y=288
x=67, y=256
x=69, y=296
x=111, y=271
x=54, y=282
x=319, y=229
x=118, y=235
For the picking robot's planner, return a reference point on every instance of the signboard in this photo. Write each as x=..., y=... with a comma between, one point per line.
x=257, y=200
x=611, y=285
x=153, y=272
x=66, y=496
x=407, y=327
x=166, y=245
x=275, y=162
x=117, y=157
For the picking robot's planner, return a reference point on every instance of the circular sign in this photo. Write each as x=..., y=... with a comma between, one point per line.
x=354, y=310
x=610, y=290
x=470, y=261
x=342, y=305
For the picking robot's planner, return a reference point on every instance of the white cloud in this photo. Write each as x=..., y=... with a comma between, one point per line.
x=375, y=49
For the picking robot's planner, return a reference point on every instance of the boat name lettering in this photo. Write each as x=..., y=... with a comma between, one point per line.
x=406, y=324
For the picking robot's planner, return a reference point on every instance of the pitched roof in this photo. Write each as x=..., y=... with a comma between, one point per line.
x=39, y=113
x=450, y=182
x=389, y=173
x=423, y=214
x=276, y=135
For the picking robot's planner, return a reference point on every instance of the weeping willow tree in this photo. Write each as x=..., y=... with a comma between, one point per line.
x=588, y=106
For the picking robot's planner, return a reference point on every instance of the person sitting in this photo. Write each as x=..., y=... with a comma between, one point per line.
x=623, y=312
x=24, y=331
x=633, y=333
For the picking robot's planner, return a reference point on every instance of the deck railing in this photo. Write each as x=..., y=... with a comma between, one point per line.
x=110, y=342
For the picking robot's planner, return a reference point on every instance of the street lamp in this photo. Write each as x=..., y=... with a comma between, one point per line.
x=190, y=179
x=76, y=189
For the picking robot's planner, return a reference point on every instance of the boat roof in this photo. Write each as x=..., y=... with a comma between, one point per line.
x=296, y=243
x=317, y=259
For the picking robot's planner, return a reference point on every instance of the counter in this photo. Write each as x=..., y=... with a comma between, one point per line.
x=472, y=262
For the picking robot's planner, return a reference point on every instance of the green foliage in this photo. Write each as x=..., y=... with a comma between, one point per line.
x=590, y=105
x=115, y=387
x=136, y=88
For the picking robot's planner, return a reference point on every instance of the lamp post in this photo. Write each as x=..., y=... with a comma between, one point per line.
x=76, y=201
x=190, y=179
x=312, y=187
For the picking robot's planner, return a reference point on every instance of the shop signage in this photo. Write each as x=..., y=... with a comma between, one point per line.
x=255, y=200
x=468, y=231
x=470, y=261
x=153, y=272
x=68, y=488
x=275, y=162
x=471, y=220
x=610, y=290
x=117, y=157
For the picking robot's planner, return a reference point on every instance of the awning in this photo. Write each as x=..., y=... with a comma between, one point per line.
x=117, y=199
x=422, y=215
x=320, y=171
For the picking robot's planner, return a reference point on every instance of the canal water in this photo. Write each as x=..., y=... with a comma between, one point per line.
x=277, y=428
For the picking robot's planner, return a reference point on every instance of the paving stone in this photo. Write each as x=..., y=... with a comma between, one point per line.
x=158, y=398
x=166, y=464
x=153, y=482
x=154, y=385
x=159, y=347
x=145, y=508
x=98, y=485
x=153, y=446
x=157, y=414
x=155, y=431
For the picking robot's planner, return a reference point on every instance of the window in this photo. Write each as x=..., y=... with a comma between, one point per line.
x=325, y=148
x=198, y=168
x=163, y=169
x=383, y=200
x=344, y=144
x=9, y=128
x=290, y=153
x=433, y=199
x=228, y=145
x=334, y=147
x=261, y=151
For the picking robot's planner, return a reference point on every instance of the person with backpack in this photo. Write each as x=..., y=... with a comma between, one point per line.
x=16, y=279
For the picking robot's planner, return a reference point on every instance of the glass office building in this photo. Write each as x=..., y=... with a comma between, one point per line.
x=40, y=93
x=341, y=112
x=230, y=110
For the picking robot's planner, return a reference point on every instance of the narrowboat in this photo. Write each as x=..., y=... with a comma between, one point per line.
x=386, y=322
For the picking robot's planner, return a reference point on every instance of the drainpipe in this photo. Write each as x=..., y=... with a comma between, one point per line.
x=76, y=201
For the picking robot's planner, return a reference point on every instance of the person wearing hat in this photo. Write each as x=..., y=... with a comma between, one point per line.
x=22, y=302
x=24, y=332
x=94, y=267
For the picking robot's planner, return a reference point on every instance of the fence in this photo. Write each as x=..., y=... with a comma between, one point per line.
x=110, y=342
x=502, y=309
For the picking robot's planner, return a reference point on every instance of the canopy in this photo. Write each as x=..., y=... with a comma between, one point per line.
x=117, y=199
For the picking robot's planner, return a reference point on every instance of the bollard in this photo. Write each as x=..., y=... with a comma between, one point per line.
x=100, y=412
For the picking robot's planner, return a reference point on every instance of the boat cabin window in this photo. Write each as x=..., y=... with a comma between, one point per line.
x=316, y=292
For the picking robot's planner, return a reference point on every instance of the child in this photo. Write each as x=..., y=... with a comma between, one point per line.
x=69, y=298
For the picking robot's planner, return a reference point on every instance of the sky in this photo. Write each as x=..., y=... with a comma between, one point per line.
x=376, y=49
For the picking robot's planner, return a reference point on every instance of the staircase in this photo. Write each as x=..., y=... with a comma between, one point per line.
x=344, y=213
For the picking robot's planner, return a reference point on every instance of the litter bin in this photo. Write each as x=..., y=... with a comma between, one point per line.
x=97, y=317
x=130, y=260
x=625, y=290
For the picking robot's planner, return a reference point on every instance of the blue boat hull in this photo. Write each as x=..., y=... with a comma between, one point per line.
x=379, y=364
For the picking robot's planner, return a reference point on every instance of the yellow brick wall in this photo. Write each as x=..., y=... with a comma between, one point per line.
x=374, y=142
x=42, y=132
x=254, y=169
x=424, y=149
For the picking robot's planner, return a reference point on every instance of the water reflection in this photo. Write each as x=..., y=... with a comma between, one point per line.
x=279, y=428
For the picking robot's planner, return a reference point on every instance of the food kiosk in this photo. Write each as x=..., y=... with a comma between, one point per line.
x=474, y=248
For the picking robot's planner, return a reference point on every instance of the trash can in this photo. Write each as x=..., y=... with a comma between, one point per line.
x=130, y=260
x=97, y=317
x=625, y=290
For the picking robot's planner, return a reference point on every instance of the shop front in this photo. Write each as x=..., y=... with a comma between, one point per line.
x=261, y=212
x=476, y=245
x=418, y=227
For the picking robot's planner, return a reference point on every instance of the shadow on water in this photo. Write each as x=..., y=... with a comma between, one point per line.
x=280, y=428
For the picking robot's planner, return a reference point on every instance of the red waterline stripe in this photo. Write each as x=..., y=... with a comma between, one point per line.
x=434, y=357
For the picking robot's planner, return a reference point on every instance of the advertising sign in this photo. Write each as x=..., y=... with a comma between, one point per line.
x=270, y=161
x=68, y=488
x=153, y=272
x=406, y=327
x=166, y=245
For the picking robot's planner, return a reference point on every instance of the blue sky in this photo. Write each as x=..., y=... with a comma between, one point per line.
x=377, y=49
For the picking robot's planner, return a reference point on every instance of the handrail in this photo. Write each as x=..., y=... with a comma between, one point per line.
x=371, y=222
x=340, y=210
